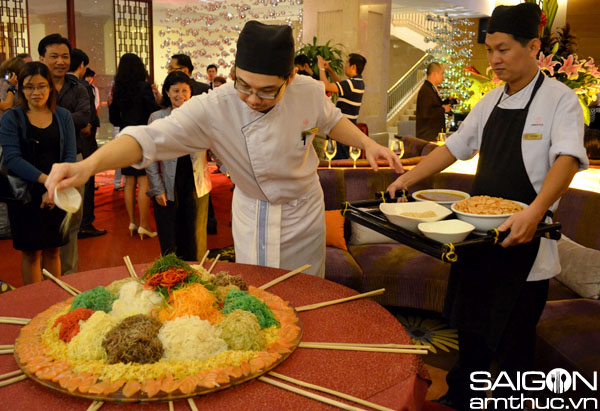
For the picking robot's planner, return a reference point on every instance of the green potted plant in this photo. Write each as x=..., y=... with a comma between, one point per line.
x=330, y=53
x=334, y=56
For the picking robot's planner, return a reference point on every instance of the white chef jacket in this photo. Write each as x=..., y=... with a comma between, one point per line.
x=554, y=127
x=278, y=217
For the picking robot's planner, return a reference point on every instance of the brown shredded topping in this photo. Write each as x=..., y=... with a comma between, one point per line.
x=135, y=339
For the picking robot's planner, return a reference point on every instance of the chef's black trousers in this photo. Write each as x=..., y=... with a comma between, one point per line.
x=515, y=352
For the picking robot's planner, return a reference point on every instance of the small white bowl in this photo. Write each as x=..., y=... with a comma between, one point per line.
x=68, y=199
x=430, y=196
x=483, y=222
x=392, y=212
x=447, y=231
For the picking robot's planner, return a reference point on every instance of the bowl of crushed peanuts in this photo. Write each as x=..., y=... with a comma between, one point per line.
x=485, y=212
x=409, y=215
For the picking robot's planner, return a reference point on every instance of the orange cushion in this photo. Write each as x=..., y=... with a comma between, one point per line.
x=334, y=222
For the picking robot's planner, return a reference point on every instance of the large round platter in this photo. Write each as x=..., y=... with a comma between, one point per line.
x=31, y=356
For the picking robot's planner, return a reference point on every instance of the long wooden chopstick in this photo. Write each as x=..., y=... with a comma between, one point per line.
x=129, y=266
x=10, y=374
x=202, y=263
x=96, y=405
x=421, y=347
x=68, y=288
x=192, y=404
x=358, y=348
x=14, y=320
x=7, y=351
x=6, y=347
x=284, y=277
x=341, y=300
x=214, y=263
x=171, y=407
x=309, y=394
x=4, y=383
x=329, y=391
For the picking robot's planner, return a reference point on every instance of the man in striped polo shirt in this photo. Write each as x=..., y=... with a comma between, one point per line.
x=350, y=91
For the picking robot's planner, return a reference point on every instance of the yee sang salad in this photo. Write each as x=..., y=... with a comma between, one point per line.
x=177, y=330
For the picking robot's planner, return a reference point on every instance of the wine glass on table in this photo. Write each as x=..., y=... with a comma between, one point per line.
x=330, y=150
x=397, y=147
x=354, y=154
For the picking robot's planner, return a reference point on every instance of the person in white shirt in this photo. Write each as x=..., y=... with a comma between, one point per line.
x=261, y=126
x=529, y=135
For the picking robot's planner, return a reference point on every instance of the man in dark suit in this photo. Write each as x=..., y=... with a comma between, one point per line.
x=79, y=62
x=183, y=63
x=430, y=107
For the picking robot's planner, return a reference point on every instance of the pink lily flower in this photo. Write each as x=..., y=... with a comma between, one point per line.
x=569, y=68
x=592, y=68
x=546, y=63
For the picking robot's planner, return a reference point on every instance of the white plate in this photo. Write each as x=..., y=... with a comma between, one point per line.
x=483, y=222
x=68, y=199
x=460, y=195
x=447, y=231
x=392, y=212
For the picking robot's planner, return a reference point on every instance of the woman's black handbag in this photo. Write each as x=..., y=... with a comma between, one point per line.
x=13, y=188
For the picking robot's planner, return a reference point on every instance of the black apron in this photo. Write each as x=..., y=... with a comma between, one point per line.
x=485, y=282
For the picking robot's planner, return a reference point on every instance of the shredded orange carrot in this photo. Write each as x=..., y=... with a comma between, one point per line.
x=169, y=278
x=193, y=300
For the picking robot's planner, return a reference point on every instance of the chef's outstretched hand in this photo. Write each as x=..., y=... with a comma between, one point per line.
x=522, y=225
x=65, y=175
x=374, y=152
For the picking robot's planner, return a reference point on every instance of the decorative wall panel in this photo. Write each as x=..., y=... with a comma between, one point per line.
x=14, y=37
x=133, y=30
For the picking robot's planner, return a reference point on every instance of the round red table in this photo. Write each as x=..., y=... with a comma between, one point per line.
x=397, y=381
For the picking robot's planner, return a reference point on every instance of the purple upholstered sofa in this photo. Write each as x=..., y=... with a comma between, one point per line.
x=569, y=330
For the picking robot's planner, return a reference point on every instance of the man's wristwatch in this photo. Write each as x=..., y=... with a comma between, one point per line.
x=12, y=89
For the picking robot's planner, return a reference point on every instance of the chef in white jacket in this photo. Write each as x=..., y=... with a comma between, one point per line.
x=261, y=126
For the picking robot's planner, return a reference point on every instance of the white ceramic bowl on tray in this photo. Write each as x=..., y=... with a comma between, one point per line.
x=440, y=196
x=447, y=231
x=393, y=212
x=483, y=222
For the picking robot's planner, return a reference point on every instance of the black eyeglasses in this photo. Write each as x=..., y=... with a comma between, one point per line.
x=29, y=89
x=272, y=95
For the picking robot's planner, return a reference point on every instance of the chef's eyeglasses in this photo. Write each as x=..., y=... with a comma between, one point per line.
x=267, y=95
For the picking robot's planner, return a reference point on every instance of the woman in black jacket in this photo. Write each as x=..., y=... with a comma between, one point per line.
x=132, y=104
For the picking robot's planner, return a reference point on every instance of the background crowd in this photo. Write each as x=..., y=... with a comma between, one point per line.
x=178, y=189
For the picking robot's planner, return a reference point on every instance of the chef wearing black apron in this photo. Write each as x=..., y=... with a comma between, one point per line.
x=489, y=299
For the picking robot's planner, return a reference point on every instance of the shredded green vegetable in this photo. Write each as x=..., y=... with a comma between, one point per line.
x=97, y=299
x=241, y=331
x=240, y=300
x=166, y=262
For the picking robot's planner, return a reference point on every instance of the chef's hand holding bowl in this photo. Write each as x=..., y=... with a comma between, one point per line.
x=65, y=175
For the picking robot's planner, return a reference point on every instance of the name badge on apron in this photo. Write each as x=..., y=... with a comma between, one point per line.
x=532, y=136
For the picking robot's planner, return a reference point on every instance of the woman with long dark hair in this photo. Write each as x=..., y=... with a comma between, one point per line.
x=181, y=215
x=132, y=104
x=35, y=135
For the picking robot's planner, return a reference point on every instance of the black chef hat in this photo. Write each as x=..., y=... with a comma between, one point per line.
x=265, y=49
x=522, y=20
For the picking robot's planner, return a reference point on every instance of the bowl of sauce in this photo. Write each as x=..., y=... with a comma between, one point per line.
x=441, y=196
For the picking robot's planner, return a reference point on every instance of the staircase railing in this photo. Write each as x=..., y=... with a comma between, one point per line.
x=416, y=21
x=403, y=88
